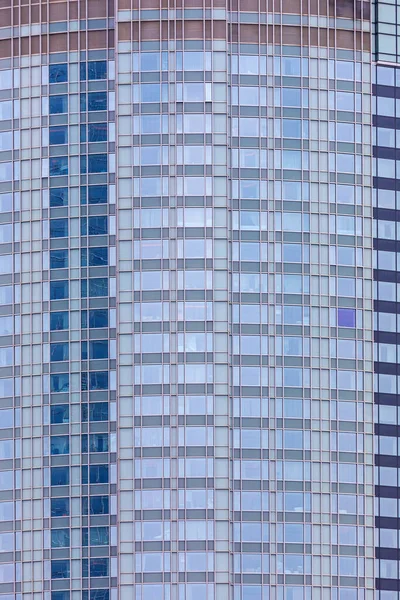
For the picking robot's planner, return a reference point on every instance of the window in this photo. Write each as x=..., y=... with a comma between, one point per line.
x=58, y=259
x=97, y=505
x=94, y=318
x=60, y=595
x=97, y=287
x=59, y=475
x=94, y=194
x=6, y=110
x=95, y=411
x=98, y=442
x=59, y=352
x=93, y=70
x=346, y=317
x=59, y=383
x=58, y=197
x=6, y=325
x=58, y=135
x=60, y=569
x=59, y=413
x=94, y=225
x=98, y=349
x=58, y=290
x=97, y=132
x=94, y=257
x=99, y=536
x=60, y=538
x=97, y=163
x=58, y=165
x=58, y=104
x=6, y=140
x=98, y=567
x=6, y=511
x=59, y=321
x=98, y=380
x=150, y=92
x=97, y=474
x=58, y=73
x=6, y=449
x=59, y=507
x=94, y=163
x=59, y=444
x=94, y=132
x=98, y=595
x=95, y=101
x=58, y=228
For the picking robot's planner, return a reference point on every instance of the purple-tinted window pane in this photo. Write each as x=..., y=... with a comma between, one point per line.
x=346, y=317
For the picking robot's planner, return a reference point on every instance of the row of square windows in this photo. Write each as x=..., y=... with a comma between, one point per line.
x=92, y=70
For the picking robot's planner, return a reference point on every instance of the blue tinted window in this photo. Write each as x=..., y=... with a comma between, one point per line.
x=98, y=380
x=99, y=536
x=98, y=442
x=58, y=165
x=58, y=197
x=58, y=228
x=150, y=92
x=60, y=569
x=83, y=71
x=98, y=256
x=99, y=595
x=94, y=163
x=58, y=290
x=94, y=225
x=94, y=194
x=98, y=567
x=98, y=318
x=59, y=413
x=59, y=351
x=97, y=69
x=97, y=101
x=94, y=132
x=58, y=104
x=98, y=349
x=59, y=475
x=59, y=444
x=97, y=225
x=95, y=411
x=97, y=163
x=64, y=595
x=97, y=132
x=58, y=135
x=97, y=505
x=58, y=73
x=59, y=382
x=97, y=287
x=94, y=318
x=97, y=194
x=58, y=259
x=59, y=321
x=59, y=507
x=98, y=474
x=84, y=350
x=60, y=538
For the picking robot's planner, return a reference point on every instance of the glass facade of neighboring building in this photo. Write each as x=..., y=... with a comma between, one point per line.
x=186, y=302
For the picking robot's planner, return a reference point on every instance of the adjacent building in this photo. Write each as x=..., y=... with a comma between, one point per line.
x=186, y=301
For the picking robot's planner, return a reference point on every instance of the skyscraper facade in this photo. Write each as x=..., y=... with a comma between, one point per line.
x=386, y=91
x=186, y=301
